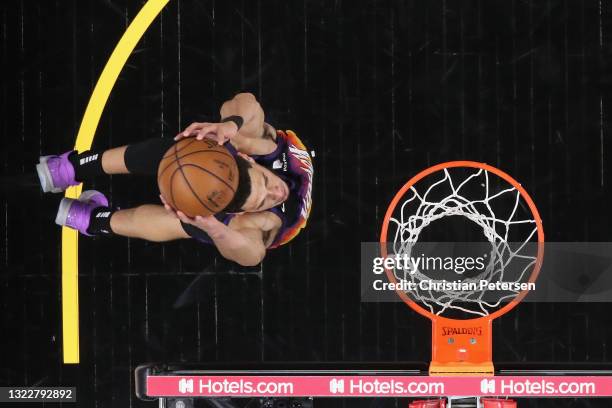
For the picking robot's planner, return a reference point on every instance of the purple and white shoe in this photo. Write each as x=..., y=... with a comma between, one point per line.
x=76, y=214
x=56, y=173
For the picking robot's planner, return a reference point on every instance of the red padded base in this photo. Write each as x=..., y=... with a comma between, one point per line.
x=485, y=403
x=497, y=403
x=439, y=403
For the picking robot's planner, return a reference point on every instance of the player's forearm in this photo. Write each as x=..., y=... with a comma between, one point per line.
x=236, y=247
x=244, y=105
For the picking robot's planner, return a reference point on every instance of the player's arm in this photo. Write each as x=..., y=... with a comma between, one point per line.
x=245, y=246
x=245, y=240
x=242, y=123
x=245, y=106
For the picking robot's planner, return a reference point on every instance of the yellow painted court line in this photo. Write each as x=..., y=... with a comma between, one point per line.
x=84, y=140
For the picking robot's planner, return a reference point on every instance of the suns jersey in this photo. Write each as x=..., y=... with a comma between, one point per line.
x=292, y=163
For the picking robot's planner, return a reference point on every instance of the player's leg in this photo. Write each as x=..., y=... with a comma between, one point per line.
x=150, y=222
x=57, y=173
x=90, y=215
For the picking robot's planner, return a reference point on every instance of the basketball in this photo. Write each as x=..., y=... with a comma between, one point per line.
x=197, y=177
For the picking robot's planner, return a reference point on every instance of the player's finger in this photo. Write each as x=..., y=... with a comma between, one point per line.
x=207, y=222
x=167, y=206
x=211, y=136
x=195, y=125
x=221, y=138
x=182, y=135
x=206, y=131
x=184, y=218
x=191, y=130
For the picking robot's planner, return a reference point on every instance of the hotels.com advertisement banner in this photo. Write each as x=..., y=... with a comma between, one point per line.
x=377, y=386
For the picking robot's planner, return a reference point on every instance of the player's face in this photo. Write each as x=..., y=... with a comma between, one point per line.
x=267, y=190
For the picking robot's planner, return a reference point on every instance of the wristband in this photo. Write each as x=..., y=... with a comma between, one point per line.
x=234, y=118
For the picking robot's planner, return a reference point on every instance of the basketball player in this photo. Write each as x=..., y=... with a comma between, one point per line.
x=271, y=204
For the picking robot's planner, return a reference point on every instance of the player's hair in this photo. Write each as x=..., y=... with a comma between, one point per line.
x=244, y=186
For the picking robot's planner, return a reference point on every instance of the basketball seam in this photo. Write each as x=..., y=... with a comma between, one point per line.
x=178, y=150
x=180, y=167
x=187, y=154
x=172, y=188
x=211, y=173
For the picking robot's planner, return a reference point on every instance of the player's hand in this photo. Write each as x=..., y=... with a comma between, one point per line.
x=210, y=224
x=166, y=205
x=219, y=132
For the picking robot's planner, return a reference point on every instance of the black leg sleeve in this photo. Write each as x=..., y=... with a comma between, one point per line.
x=144, y=157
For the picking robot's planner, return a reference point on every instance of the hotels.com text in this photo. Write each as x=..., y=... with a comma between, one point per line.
x=385, y=387
x=245, y=387
x=544, y=387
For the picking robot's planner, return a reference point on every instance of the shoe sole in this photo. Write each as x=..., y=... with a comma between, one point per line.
x=44, y=175
x=62, y=212
x=64, y=207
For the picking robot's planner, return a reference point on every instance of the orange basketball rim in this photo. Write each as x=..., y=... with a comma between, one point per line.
x=463, y=347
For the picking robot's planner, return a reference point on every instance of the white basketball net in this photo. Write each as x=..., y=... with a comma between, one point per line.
x=496, y=228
